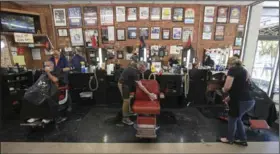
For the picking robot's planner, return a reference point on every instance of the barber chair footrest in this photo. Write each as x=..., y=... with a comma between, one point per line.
x=258, y=124
x=147, y=131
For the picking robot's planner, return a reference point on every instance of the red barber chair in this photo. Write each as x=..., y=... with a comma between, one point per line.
x=147, y=110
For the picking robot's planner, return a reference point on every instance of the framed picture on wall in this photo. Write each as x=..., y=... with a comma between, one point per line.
x=207, y=32
x=177, y=33
x=75, y=16
x=76, y=35
x=144, y=32
x=178, y=14
x=166, y=34
x=166, y=13
x=187, y=32
x=62, y=32
x=131, y=32
x=238, y=41
x=120, y=13
x=209, y=13
x=90, y=16
x=240, y=31
x=143, y=13
x=155, y=33
x=234, y=14
x=59, y=17
x=89, y=34
x=219, y=32
x=189, y=16
x=121, y=34
x=155, y=13
x=222, y=14
x=104, y=35
x=131, y=14
x=106, y=16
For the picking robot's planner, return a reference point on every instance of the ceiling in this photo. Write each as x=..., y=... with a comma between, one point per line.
x=44, y=2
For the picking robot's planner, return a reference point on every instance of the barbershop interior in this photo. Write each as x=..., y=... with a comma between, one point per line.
x=146, y=76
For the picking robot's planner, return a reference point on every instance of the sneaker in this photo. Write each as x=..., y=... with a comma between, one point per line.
x=31, y=120
x=131, y=114
x=46, y=121
x=60, y=119
x=127, y=121
x=239, y=142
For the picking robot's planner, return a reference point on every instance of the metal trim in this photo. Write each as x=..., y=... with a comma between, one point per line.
x=244, y=43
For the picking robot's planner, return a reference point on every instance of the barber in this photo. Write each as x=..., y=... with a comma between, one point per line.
x=173, y=60
x=128, y=81
x=76, y=61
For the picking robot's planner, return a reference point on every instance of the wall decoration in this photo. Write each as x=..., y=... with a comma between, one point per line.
x=143, y=13
x=207, y=32
x=90, y=16
x=178, y=14
x=165, y=33
x=89, y=33
x=222, y=14
x=121, y=34
x=209, y=12
x=106, y=16
x=62, y=32
x=131, y=14
x=75, y=16
x=144, y=32
x=155, y=13
x=240, y=31
x=131, y=32
x=76, y=35
x=111, y=33
x=59, y=17
x=187, y=31
x=234, y=14
x=238, y=41
x=177, y=33
x=219, y=32
x=189, y=16
x=120, y=13
x=166, y=13
x=155, y=33
x=104, y=35
x=236, y=51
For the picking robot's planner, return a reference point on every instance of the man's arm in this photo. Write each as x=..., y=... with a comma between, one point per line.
x=66, y=68
x=143, y=88
x=52, y=77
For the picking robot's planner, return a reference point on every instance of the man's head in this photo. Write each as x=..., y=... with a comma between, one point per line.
x=56, y=53
x=234, y=61
x=142, y=66
x=49, y=65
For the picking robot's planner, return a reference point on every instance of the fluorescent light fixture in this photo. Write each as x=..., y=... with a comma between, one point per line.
x=145, y=55
x=188, y=57
x=100, y=56
x=2, y=44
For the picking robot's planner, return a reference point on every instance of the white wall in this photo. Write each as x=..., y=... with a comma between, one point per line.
x=253, y=32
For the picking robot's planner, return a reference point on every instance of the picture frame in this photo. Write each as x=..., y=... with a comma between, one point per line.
x=209, y=13
x=144, y=13
x=207, y=32
x=120, y=13
x=144, y=31
x=177, y=33
x=238, y=41
x=178, y=14
x=187, y=31
x=121, y=36
x=166, y=34
x=189, y=16
x=235, y=13
x=106, y=16
x=166, y=13
x=155, y=14
x=104, y=35
x=222, y=14
x=75, y=17
x=62, y=32
x=219, y=32
x=131, y=32
x=240, y=30
x=90, y=16
x=76, y=35
x=131, y=13
x=236, y=51
x=59, y=17
x=89, y=33
x=155, y=33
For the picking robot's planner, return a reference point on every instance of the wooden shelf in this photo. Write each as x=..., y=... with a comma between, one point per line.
x=34, y=35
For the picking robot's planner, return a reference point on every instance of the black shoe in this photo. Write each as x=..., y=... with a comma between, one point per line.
x=69, y=109
x=60, y=119
x=239, y=142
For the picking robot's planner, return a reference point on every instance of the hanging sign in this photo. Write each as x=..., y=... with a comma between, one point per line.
x=23, y=38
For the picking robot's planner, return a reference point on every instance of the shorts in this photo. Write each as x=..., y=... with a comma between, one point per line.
x=126, y=92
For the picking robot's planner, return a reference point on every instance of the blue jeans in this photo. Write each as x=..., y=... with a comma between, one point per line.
x=235, y=124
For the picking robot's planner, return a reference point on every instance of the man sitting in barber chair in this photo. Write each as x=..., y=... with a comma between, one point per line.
x=127, y=83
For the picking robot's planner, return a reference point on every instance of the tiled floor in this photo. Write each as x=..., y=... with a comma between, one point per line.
x=139, y=148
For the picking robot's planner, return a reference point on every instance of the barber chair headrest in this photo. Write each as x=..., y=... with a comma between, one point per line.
x=151, y=85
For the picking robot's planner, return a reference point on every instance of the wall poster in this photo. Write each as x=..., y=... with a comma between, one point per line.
x=234, y=14
x=62, y=32
x=219, y=32
x=189, y=16
x=75, y=16
x=131, y=32
x=90, y=16
x=177, y=33
x=120, y=13
x=106, y=16
x=155, y=13
x=166, y=13
x=89, y=33
x=187, y=31
x=59, y=17
x=207, y=32
x=178, y=14
x=76, y=35
x=155, y=33
x=240, y=31
x=143, y=13
x=165, y=34
x=120, y=34
x=105, y=35
x=131, y=14
x=144, y=32
x=238, y=41
x=222, y=14
x=209, y=13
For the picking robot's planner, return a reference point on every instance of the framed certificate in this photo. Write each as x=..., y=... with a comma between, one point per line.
x=120, y=13
x=120, y=34
x=106, y=16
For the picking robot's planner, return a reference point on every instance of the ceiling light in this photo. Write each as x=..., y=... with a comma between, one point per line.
x=2, y=44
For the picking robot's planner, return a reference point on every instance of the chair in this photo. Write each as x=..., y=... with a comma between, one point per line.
x=146, y=110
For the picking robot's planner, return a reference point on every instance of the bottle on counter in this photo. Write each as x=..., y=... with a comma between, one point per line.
x=83, y=68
